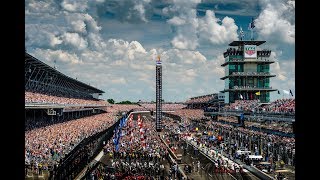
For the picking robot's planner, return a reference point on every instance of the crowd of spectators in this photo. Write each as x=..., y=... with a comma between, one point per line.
x=116, y=108
x=221, y=164
x=279, y=106
x=135, y=158
x=34, y=97
x=165, y=106
x=287, y=143
x=190, y=114
x=48, y=145
x=202, y=99
x=277, y=126
x=232, y=119
x=273, y=148
x=271, y=125
x=245, y=105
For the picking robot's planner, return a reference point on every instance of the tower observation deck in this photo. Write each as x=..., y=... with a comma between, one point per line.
x=247, y=72
x=158, y=95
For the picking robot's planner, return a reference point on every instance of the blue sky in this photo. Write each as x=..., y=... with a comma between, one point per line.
x=112, y=44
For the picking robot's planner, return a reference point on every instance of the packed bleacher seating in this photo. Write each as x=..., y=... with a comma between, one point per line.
x=245, y=105
x=34, y=97
x=165, y=106
x=283, y=146
x=116, y=108
x=134, y=156
x=190, y=114
x=277, y=126
x=231, y=119
x=280, y=148
x=279, y=106
x=47, y=145
x=201, y=99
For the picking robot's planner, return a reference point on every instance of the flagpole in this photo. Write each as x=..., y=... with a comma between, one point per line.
x=251, y=34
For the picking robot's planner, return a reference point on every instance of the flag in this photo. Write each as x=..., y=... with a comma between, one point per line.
x=241, y=33
x=252, y=24
x=286, y=92
x=291, y=92
x=241, y=97
x=117, y=147
x=258, y=93
x=278, y=92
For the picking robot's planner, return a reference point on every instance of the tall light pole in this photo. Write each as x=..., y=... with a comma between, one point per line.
x=158, y=94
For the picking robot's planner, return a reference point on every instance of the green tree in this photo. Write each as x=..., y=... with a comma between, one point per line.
x=111, y=101
x=125, y=102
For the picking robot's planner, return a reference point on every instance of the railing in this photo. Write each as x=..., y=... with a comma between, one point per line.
x=250, y=87
x=83, y=153
x=232, y=51
x=251, y=73
x=58, y=104
x=264, y=53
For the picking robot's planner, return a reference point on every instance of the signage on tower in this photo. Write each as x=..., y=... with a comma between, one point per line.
x=250, y=51
x=158, y=60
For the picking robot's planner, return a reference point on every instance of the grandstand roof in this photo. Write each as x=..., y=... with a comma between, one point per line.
x=41, y=65
x=241, y=43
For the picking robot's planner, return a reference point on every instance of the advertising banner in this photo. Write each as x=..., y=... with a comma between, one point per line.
x=250, y=51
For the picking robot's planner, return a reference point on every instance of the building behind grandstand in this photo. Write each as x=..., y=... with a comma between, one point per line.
x=247, y=72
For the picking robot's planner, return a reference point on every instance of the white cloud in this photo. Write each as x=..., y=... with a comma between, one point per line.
x=133, y=11
x=108, y=70
x=118, y=63
x=185, y=22
x=45, y=6
x=276, y=21
x=75, y=40
x=184, y=42
x=141, y=11
x=39, y=35
x=177, y=21
x=186, y=3
x=118, y=80
x=125, y=69
x=192, y=31
x=190, y=73
x=96, y=42
x=136, y=47
x=74, y=5
x=79, y=26
x=210, y=29
x=62, y=57
x=277, y=69
x=285, y=75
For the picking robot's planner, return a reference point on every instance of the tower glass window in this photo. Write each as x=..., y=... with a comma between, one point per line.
x=246, y=73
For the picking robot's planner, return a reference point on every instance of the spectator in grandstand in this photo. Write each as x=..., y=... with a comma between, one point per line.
x=48, y=145
x=140, y=149
x=35, y=97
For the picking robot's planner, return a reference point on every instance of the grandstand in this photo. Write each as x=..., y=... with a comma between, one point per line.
x=40, y=77
x=49, y=94
x=65, y=122
x=209, y=102
x=165, y=106
x=67, y=126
